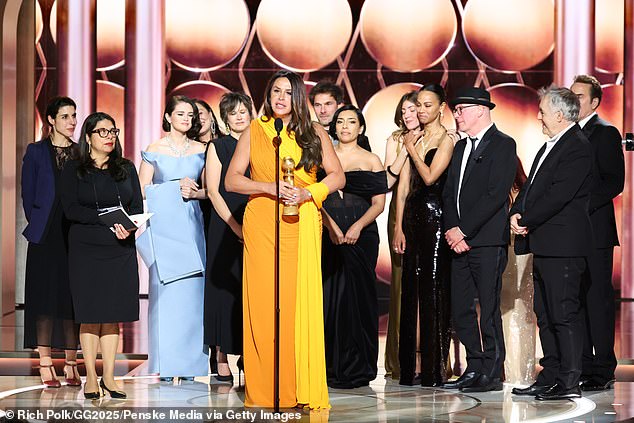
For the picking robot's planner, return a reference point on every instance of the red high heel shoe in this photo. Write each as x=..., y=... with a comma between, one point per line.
x=53, y=382
x=75, y=380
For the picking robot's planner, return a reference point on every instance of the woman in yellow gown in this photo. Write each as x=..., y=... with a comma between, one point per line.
x=302, y=355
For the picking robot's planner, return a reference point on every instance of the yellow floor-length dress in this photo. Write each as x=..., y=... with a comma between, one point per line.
x=302, y=356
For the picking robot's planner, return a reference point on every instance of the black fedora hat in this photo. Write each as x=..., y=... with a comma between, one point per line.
x=472, y=95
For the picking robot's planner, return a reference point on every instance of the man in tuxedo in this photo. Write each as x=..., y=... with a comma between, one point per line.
x=597, y=293
x=550, y=217
x=476, y=204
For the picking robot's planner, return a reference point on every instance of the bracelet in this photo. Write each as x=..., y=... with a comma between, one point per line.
x=389, y=170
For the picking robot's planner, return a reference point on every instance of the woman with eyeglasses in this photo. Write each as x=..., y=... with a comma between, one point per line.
x=48, y=309
x=173, y=244
x=102, y=260
x=223, y=288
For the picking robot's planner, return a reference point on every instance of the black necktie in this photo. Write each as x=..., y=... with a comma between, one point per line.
x=473, y=147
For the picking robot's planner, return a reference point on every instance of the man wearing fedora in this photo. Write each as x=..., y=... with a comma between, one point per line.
x=476, y=204
x=550, y=217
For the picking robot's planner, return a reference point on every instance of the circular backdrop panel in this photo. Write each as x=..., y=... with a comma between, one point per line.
x=406, y=35
x=304, y=35
x=509, y=35
x=609, y=27
x=515, y=114
x=203, y=35
x=110, y=34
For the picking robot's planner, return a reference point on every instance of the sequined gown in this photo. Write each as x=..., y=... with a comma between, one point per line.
x=518, y=319
x=351, y=315
x=425, y=282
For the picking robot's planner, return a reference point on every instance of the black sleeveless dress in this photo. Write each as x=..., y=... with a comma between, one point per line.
x=425, y=282
x=349, y=281
x=223, y=285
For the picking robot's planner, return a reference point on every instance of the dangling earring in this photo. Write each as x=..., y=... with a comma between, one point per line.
x=441, y=115
x=89, y=148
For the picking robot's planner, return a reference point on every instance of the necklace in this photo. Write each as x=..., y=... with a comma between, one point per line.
x=179, y=152
x=427, y=138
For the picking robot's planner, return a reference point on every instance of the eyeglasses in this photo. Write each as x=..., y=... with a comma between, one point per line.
x=103, y=132
x=458, y=110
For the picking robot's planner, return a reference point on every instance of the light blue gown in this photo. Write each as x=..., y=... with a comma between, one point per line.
x=173, y=247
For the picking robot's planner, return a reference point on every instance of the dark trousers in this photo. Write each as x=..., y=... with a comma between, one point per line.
x=478, y=274
x=598, y=311
x=557, y=283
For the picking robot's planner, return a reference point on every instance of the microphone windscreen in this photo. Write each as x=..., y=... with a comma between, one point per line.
x=279, y=125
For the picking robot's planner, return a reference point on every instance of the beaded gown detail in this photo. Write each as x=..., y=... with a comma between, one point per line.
x=425, y=282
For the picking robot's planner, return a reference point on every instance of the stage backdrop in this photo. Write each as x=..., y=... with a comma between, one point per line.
x=376, y=49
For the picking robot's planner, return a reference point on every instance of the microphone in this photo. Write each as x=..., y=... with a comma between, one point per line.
x=279, y=125
x=628, y=142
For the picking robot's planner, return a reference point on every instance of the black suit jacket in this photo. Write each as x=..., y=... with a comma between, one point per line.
x=554, y=207
x=609, y=177
x=484, y=194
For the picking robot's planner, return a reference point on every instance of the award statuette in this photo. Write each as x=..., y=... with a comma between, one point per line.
x=288, y=167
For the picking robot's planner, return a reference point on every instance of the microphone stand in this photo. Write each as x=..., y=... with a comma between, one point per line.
x=276, y=355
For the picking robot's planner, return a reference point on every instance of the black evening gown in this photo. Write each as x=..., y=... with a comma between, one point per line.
x=48, y=308
x=223, y=285
x=425, y=282
x=351, y=316
x=104, y=279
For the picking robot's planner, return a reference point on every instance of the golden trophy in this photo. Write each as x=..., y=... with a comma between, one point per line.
x=288, y=167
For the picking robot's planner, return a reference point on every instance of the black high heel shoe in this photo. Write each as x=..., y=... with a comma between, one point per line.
x=92, y=395
x=113, y=393
x=240, y=364
x=224, y=378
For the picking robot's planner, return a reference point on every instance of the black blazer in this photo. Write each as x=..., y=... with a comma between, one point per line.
x=38, y=188
x=609, y=177
x=484, y=195
x=554, y=207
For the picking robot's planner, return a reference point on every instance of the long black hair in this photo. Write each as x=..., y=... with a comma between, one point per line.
x=117, y=165
x=300, y=122
x=362, y=140
x=215, y=129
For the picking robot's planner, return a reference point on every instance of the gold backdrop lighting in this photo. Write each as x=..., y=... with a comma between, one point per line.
x=509, y=35
x=110, y=34
x=304, y=35
x=408, y=36
x=609, y=27
x=203, y=35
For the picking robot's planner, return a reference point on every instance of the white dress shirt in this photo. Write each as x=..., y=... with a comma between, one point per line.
x=465, y=157
x=549, y=146
x=585, y=120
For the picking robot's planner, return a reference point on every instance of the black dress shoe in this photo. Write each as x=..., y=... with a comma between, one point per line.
x=484, y=384
x=595, y=385
x=533, y=390
x=558, y=392
x=410, y=382
x=463, y=381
